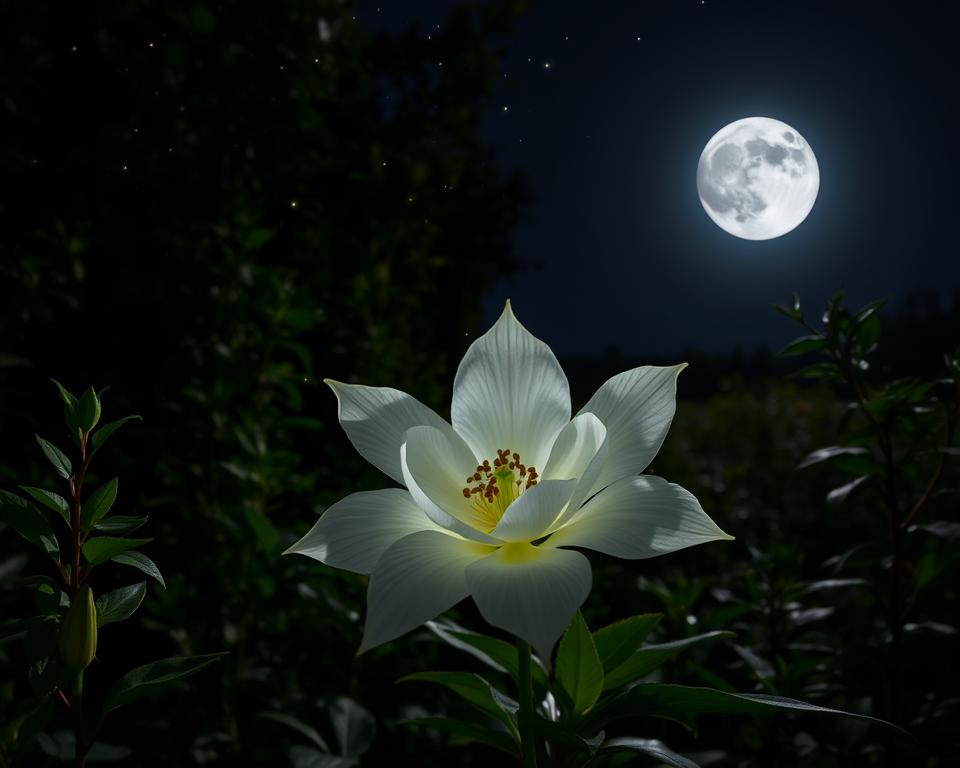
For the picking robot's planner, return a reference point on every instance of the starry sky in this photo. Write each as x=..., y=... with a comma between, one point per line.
x=607, y=106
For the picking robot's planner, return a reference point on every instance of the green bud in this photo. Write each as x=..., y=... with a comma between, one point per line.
x=88, y=410
x=78, y=631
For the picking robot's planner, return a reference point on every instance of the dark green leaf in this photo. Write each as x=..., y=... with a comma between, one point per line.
x=617, y=642
x=68, y=399
x=56, y=457
x=476, y=691
x=353, y=726
x=142, y=563
x=103, y=548
x=49, y=598
x=298, y=725
x=103, y=434
x=932, y=565
x=683, y=704
x=804, y=345
x=650, y=748
x=468, y=732
x=120, y=604
x=52, y=501
x=119, y=524
x=60, y=744
x=944, y=529
x=302, y=756
x=839, y=495
x=819, y=371
x=649, y=657
x=30, y=523
x=257, y=238
x=833, y=452
x=98, y=504
x=88, y=410
x=154, y=678
x=14, y=627
x=868, y=333
x=868, y=310
x=495, y=653
x=24, y=723
x=579, y=671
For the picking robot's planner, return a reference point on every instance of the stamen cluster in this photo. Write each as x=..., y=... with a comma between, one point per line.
x=488, y=480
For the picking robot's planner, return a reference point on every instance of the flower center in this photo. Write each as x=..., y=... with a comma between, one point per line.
x=493, y=488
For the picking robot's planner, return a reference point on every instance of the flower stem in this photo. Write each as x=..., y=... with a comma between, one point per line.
x=526, y=723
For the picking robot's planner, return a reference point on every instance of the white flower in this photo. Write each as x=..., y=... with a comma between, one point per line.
x=493, y=502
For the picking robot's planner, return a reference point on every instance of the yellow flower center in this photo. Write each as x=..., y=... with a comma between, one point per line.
x=493, y=488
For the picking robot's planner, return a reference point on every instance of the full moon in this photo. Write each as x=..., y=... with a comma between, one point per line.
x=757, y=178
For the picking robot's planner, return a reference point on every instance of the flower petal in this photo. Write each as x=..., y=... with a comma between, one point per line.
x=530, y=591
x=435, y=467
x=510, y=392
x=416, y=579
x=638, y=517
x=530, y=516
x=574, y=448
x=376, y=418
x=636, y=407
x=354, y=532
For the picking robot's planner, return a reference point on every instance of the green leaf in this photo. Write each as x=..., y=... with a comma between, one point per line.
x=50, y=500
x=468, y=732
x=98, y=504
x=155, y=678
x=495, y=653
x=68, y=399
x=650, y=748
x=804, y=345
x=119, y=524
x=103, y=548
x=649, y=657
x=616, y=642
x=120, y=604
x=30, y=523
x=298, y=725
x=850, y=458
x=579, y=671
x=103, y=434
x=69, y=409
x=257, y=238
x=13, y=627
x=49, y=598
x=868, y=333
x=353, y=726
x=819, y=371
x=88, y=410
x=142, y=563
x=56, y=457
x=839, y=495
x=683, y=704
x=476, y=691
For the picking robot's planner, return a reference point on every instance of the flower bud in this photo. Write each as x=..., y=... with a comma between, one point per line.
x=78, y=631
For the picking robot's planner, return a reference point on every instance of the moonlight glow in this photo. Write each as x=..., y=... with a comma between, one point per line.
x=757, y=178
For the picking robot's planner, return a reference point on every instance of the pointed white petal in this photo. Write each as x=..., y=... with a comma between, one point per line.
x=376, y=418
x=530, y=591
x=435, y=468
x=639, y=517
x=574, y=448
x=636, y=407
x=587, y=485
x=415, y=580
x=530, y=516
x=354, y=532
x=510, y=392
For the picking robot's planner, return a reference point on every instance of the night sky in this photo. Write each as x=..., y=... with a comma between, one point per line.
x=607, y=107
